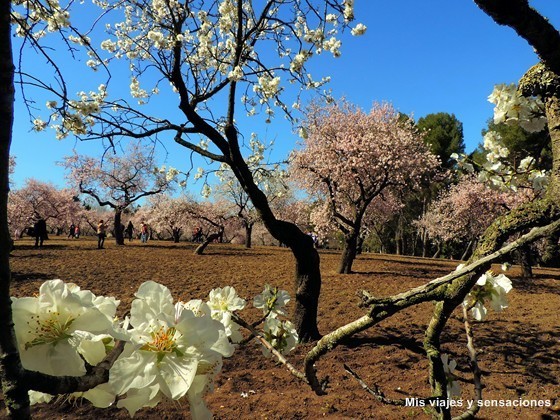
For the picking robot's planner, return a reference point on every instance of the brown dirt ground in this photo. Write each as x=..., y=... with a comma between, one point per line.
x=519, y=348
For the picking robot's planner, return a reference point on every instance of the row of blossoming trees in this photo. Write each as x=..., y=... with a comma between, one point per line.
x=242, y=53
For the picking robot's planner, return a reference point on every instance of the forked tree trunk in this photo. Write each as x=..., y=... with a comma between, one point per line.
x=348, y=253
x=16, y=399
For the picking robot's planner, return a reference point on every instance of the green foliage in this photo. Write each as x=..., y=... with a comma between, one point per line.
x=443, y=132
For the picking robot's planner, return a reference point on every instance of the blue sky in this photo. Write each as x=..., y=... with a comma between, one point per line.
x=422, y=56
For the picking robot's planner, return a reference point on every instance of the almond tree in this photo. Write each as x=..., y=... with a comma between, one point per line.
x=166, y=214
x=213, y=217
x=447, y=293
x=58, y=207
x=118, y=181
x=220, y=60
x=206, y=50
x=351, y=157
x=461, y=214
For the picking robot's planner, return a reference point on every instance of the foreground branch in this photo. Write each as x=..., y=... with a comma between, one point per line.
x=50, y=384
x=436, y=290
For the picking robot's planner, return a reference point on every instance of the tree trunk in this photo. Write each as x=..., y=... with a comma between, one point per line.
x=176, y=234
x=551, y=256
x=348, y=253
x=467, y=251
x=209, y=239
x=360, y=245
x=16, y=399
x=525, y=261
x=424, y=243
x=248, y=233
x=438, y=251
x=398, y=238
x=119, y=228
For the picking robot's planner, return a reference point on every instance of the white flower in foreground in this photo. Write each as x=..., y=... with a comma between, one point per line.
x=225, y=299
x=281, y=334
x=170, y=346
x=492, y=288
x=272, y=300
x=222, y=302
x=63, y=326
x=453, y=387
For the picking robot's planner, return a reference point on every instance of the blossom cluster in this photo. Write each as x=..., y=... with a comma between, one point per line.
x=511, y=108
x=489, y=287
x=172, y=350
x=497, y=171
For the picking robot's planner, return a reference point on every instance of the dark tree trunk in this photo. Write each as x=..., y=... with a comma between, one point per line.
x=348, y=253
x=176, y=234
x=398, y=238
x=119, y=228
x=360, y=245
x=209, y=239
x=16, y=399
x=248, y=233
x=307, y=272
x=525, y=261
x=308, y=288
x=551, y=256
x=424, y=243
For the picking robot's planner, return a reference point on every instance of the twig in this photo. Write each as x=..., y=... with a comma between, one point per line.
x=377, y=393
x=298, y=374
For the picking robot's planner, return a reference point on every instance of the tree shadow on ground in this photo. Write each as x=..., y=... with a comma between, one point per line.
x=416, y=274
x=45, y=247
x=20, y=278
x=521, y=347
x=389, y=337
x=536, y=286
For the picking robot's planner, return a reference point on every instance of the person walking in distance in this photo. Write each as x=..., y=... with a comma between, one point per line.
x=144, y=233
x=101, y=234
x=72, y=231
x=40, y=232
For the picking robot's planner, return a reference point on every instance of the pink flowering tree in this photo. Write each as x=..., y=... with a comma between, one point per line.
x=213, y=217
x=461, y=214
x=350, y=157
x=58, y=207
x=118, y=181
x=166, y=215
